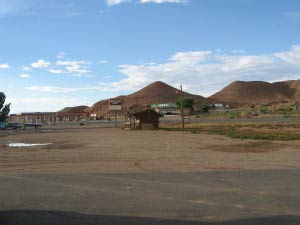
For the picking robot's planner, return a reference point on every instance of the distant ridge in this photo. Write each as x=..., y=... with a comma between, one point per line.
x=237, y=93
x=257, y=92
x=157, y=92
x=74, y=109
x=294, y=85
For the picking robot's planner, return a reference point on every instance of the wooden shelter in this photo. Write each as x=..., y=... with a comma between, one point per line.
x=146, y=120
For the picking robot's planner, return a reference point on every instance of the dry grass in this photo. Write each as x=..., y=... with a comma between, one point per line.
x=252, y=147
x=256, y=131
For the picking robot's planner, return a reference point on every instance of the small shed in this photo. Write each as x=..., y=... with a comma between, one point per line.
x=146, y=120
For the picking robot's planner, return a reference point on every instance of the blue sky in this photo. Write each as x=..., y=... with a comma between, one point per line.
x=59, y=53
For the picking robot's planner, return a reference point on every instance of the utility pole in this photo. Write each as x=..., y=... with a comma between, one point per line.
x=116, y=120
x=181, y=100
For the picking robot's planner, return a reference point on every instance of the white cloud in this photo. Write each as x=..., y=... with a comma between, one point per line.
x=51, y=89
x=103, y=62
x=61, y=55
x=201, y=72
x=56, y=71
x=107, y=77
x=292, y=56
x=75, y=68
x=43, y=103
x=24, y=76
x=63, y=66
x=191, y=57
x=163, y=1
x=40, y=64
x=238, y=51
x=205, y=72
x=4, y=66
x=26, y=68
x=56, y=89
x=117, y=2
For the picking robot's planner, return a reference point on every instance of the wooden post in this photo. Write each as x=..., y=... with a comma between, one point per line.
x=182, y=113
x=116, y=122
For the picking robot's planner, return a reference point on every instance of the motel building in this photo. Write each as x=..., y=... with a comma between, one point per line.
x=72, y=116
x=49, y=117
x=33, y=117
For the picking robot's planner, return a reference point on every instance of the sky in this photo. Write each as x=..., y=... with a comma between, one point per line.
x=59, y=53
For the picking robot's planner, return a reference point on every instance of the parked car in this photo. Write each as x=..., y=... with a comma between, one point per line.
x=17, y=126
x=14, y=126
x=2, y=125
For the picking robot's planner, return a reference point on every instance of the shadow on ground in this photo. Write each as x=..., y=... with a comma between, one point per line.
x=71, y=218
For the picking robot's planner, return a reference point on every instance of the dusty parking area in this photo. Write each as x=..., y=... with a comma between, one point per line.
x=116, y=177
x=92, y=150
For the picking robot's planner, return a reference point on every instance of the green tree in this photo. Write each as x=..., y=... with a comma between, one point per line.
x=4, y=109
x=188, y=103
x=205, y=107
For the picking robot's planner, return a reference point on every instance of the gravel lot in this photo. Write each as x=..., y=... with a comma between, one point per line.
x=109, y=176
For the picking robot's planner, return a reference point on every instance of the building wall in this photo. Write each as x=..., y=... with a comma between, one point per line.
x=46, y=118
x=72, y=117
x=148, y=126
x=32, y=118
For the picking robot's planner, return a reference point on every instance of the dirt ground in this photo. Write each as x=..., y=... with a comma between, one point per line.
x=109, y=176
x=108, y=150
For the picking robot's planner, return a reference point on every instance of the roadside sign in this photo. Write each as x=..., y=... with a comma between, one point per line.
x=115, y=105
x=187, y=112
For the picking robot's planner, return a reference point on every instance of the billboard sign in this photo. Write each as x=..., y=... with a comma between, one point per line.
x=187, y=112
x=115, y=105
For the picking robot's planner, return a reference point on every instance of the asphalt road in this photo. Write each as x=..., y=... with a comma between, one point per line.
x=265, y=197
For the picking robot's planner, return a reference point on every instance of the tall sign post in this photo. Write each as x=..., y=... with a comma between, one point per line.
x=181, y=100
x=115, y=106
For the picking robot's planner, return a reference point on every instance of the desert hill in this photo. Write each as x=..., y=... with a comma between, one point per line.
x=257, y=92
x=295, y=86
x=157, y=92
x=73, y=109
x=237, y=93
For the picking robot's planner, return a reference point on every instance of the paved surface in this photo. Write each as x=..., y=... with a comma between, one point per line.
x=240, y=197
